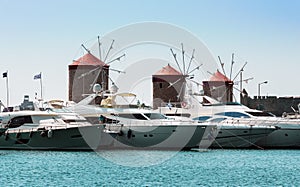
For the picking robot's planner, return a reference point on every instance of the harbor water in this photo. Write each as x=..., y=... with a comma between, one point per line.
x=126, y=168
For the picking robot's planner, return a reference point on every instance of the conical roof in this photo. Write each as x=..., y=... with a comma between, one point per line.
x=218, y=76
x=168, y=70
x=88, y=59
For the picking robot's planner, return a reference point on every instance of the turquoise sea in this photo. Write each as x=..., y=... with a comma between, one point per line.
x=151, y=168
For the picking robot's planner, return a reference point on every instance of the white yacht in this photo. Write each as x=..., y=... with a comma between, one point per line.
x=132, y=127
x=42, y=130
x=233, y=133
x=286, y=136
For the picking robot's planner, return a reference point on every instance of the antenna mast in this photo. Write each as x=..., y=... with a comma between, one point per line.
x=99, y=47
x=232, y=62
x=183, y=62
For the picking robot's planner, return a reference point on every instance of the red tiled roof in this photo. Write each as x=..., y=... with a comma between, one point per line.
x=219, y=77
x=88, y=59
x=168, y=70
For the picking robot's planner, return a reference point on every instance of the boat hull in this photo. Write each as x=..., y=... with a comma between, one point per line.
x=57, y=139
x=236, y=137
x=153, y=137
x=281, y=139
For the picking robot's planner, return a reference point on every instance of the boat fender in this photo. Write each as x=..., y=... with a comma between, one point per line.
x=43, y=133
x=129, y=133
x=30, y=134
x=6, y=136
x=50, y=133
x=18, y=135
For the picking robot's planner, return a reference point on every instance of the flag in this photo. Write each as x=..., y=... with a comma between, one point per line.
x=4, y=74
x=38, y=76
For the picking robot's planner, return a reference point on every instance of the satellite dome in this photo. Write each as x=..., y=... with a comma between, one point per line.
x=97, y=88
x=114, y=89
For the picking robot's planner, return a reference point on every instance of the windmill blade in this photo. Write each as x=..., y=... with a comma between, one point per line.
x=171, y=84
x=85, y=48
x=237, y=89
x=99, y=47
x=222, y=65
x=191, y=61
x=217, y=88
x=110, y=48
x=116, y=59
x=196, y=68
x=179, y=94
x=244, y=80
x=87, y=73
x=223, y=95
x=105, y=75
x=210, y=73
x=96, y=77
x=242, y=69
x=174, y=55
x=115, y=70
x=183, y=62
x=232, y=62
x=197, y=83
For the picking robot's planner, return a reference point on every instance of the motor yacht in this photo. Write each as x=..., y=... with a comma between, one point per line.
x=287, y=134
x=132, y=126
x=44, y=130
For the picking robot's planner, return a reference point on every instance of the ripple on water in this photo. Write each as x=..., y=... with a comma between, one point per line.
x=187, y=168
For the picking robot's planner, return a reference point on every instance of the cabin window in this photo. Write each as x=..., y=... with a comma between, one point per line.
x=19, y=121
x=160, y=85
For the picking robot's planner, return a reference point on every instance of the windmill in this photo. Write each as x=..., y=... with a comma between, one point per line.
x=186, y=69
x=233, y=80
x=88, y=70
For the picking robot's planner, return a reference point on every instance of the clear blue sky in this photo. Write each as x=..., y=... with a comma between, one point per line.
x=44, y=36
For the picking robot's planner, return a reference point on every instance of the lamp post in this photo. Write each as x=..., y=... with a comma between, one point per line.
x=265, y=82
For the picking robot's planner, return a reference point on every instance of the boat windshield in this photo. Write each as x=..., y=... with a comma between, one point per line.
x=216, y=120
x=233, y=114
x=59, y=110
x=155, y=116
x=133, y=116
x=261, y=114
x=202, y=118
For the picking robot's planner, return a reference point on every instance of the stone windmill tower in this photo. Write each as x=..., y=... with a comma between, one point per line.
x=164, y=90
x=219, y=87
x=84, y=73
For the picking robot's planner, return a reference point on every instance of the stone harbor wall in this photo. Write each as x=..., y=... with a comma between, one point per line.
x=274, y=104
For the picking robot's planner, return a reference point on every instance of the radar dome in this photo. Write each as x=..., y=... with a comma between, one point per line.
x=97, y=88
x=114, y=89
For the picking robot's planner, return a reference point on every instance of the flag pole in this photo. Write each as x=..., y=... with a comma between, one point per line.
x=41, y=86
x=7, y=90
